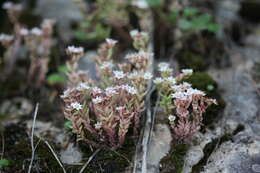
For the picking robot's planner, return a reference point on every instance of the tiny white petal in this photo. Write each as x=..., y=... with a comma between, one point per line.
x=187, y=71
x=83, y=86
x=98, y=125
x=171, y=118
x=111, y=41
x=24, y=31
x=96, y=90
x=76, y=50
x=119, y=74
x=148, y=76
x=36, y=31
x=119, y=108
x=97, y=100
x=76, y=106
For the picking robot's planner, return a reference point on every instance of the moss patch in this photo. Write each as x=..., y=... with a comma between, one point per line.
x=110, y=161
x=174, y=161
x=201, y=50
x=192, y=60
x=18, y=150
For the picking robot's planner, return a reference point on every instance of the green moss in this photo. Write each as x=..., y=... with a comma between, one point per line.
x=18, y=149
x=114, y=161
x=191, y=60
x=203, y=81
x=256, y=71
x=174, y=160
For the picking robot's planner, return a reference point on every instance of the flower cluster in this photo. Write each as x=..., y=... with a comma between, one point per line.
x=182, y=104
x=37, y=41
x=102, y=111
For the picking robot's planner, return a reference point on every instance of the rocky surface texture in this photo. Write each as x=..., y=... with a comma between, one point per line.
x=237, y=146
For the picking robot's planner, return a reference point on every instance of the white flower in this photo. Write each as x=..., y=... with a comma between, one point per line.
x=97, y=100
x=144, y=55
x=134, y=32
x=164, y=67
x=6, y=37
x=106, y=65
x=111, y=42
x=83, y=86
x=186, y=84
x=76, y=50
x=171, y=80
x=98, y=125
x=187, y=71
x=171, y=118
x=131, y=56
x=66, y=93
x=158, y=80
x=179, y=95
x=140, y=4
x=181, y=87
x=8, y=5
x=119, y=74
x=76, y=106
x=110, y=91
x=119, y=108
x=148, y=76
x=192, y=91
x=24, y=31
x=129, y=89
x=36, y=31
x=96, y=90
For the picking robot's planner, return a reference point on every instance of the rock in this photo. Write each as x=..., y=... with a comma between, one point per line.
x=235, y=157
x=71, y=155
x=195, y=152
x=242, y=153
x=159, y=146
x=65, y=12
x=87, y=63
x=17, y=106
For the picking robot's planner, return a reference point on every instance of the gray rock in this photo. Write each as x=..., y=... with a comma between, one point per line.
x=71, y=155
x=87, y=63
x=159, y=146
x=16, y=107
x=63, y=11
x=241, y=155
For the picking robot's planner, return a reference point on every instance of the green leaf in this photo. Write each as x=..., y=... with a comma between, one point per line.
x=201, y=22
x=213, y=27
x=68, y=124
x=63, y=68
x=56, y=78
x=173, y=16
x=189, y=12
x=4, y=162
x=155, y=3
x=184, y=24
x=80, y=35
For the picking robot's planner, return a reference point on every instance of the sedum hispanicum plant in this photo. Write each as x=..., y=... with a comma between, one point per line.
x=182, y=104
x=37, y=42
x=103, y=110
